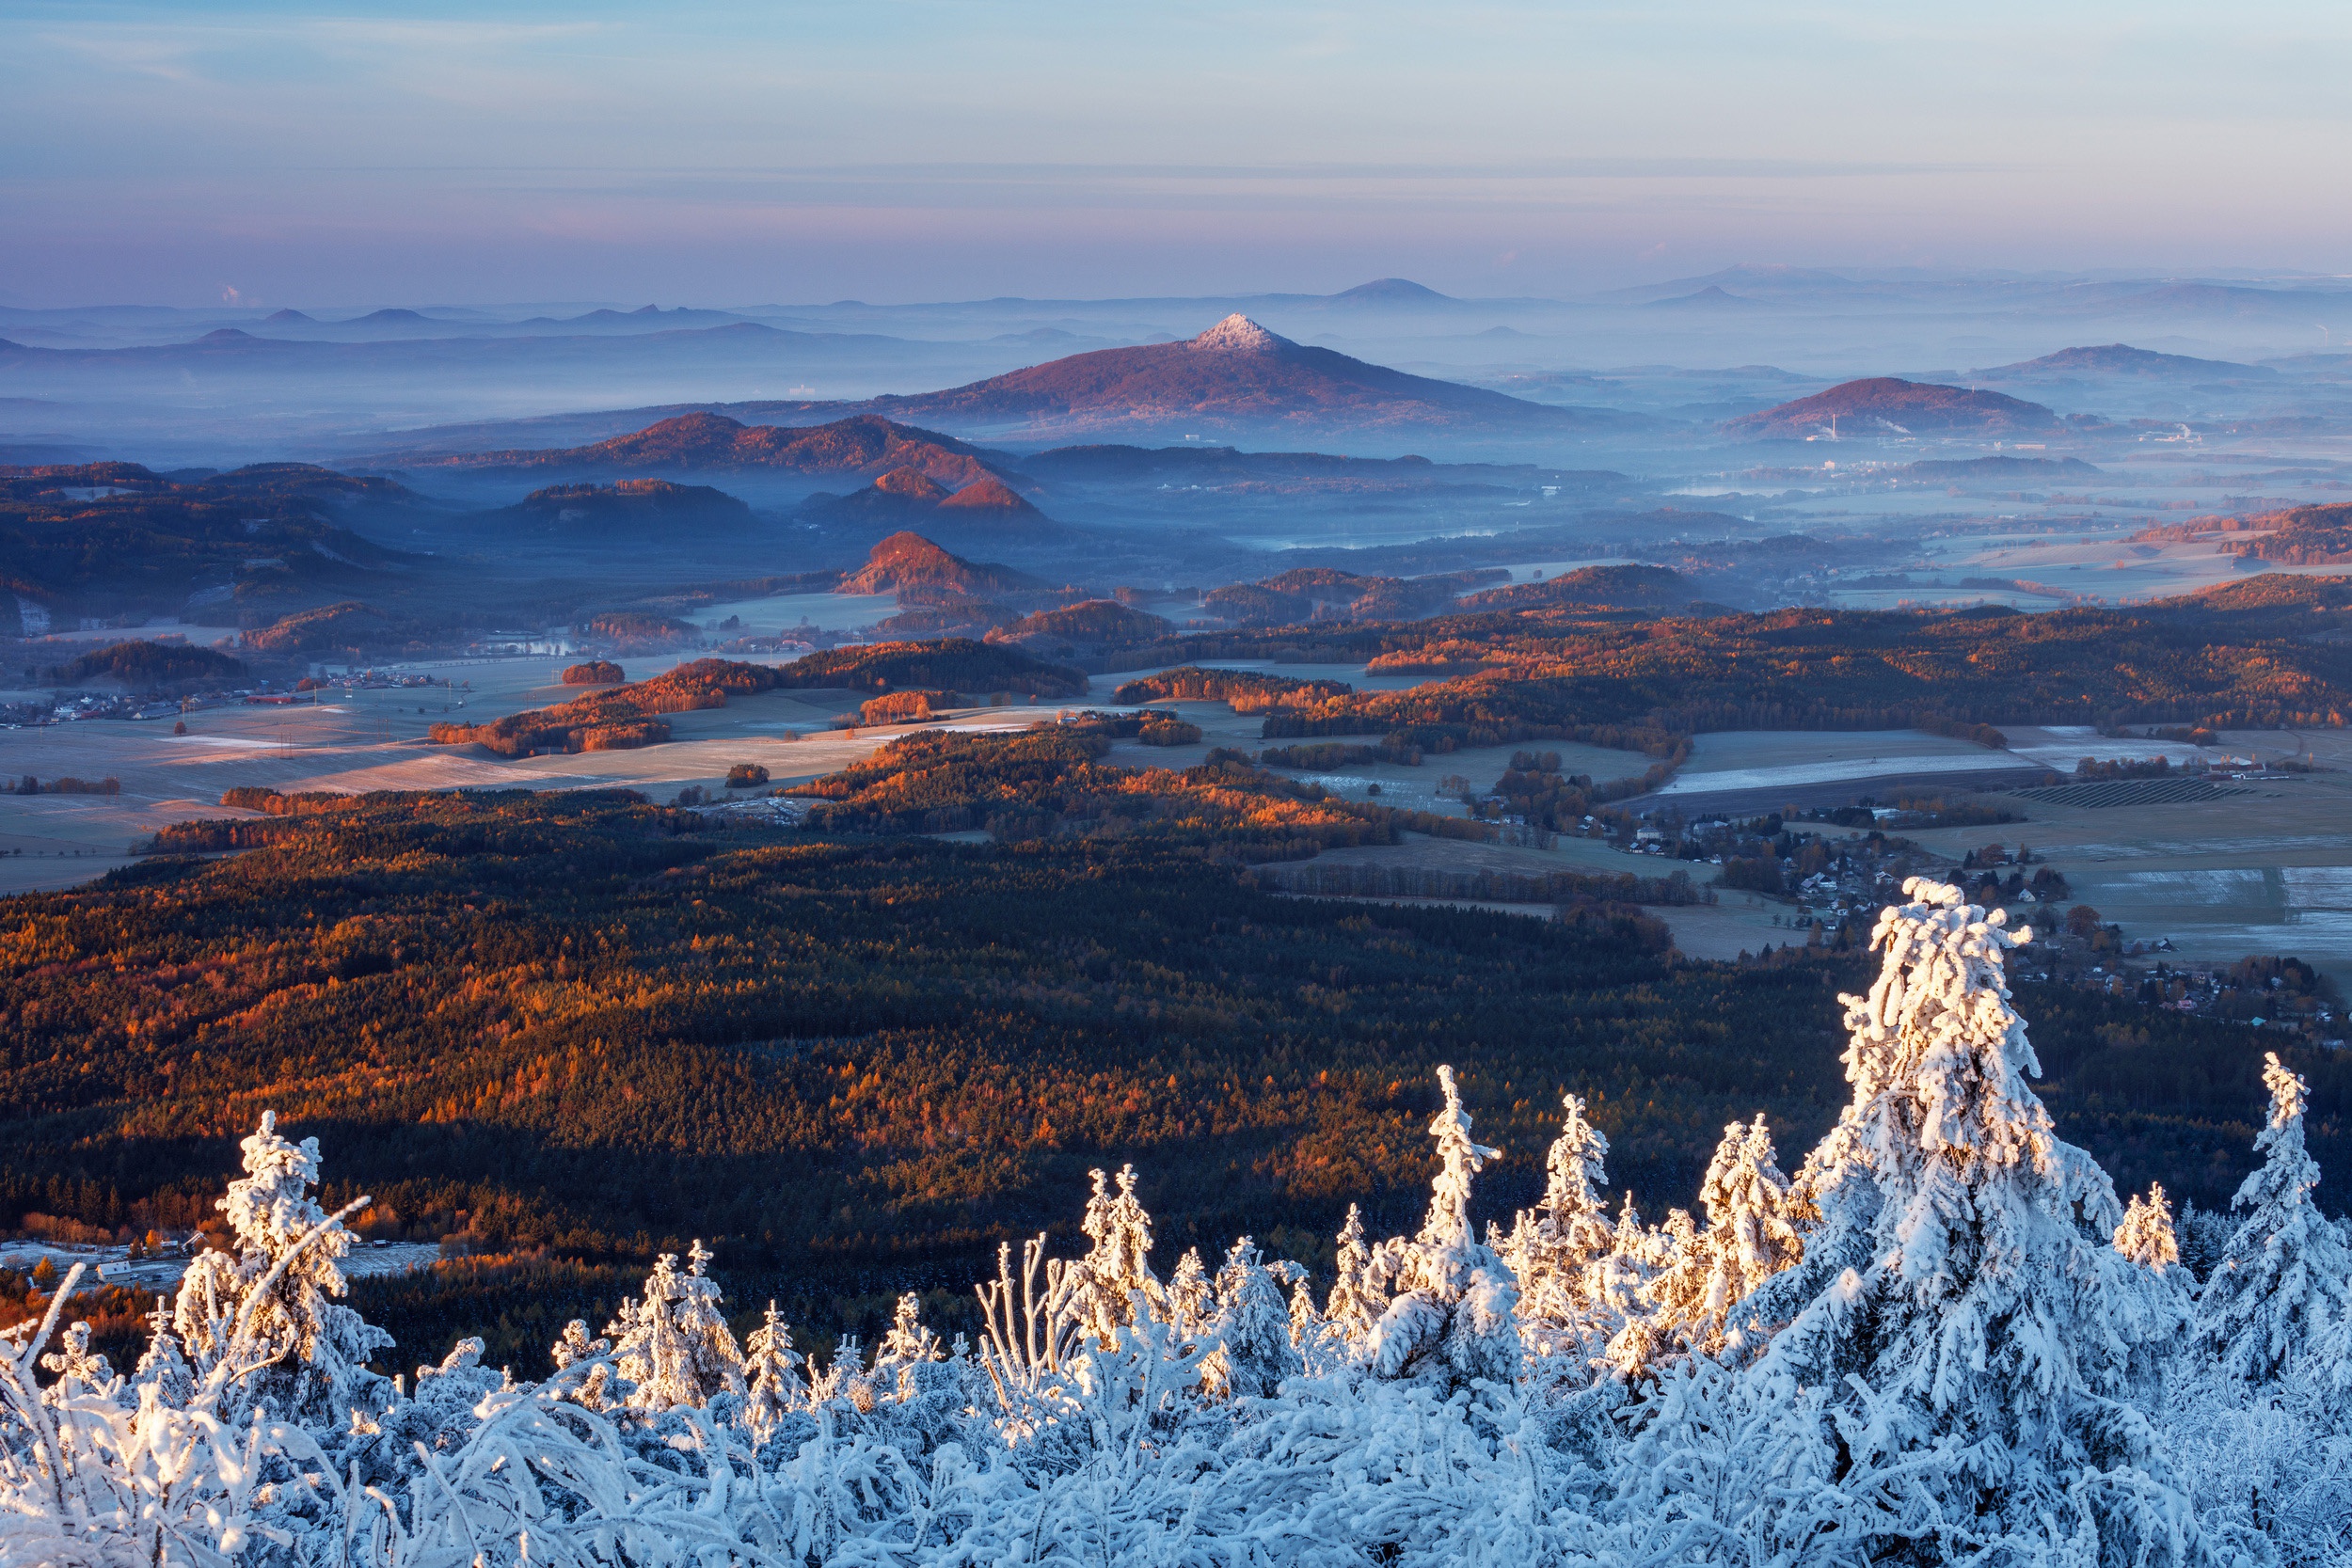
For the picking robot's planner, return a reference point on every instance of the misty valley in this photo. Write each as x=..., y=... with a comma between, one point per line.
x=1701, y=922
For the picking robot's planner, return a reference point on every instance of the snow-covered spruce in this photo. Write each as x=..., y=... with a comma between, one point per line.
x=1968, y=1375
x=1942, y=1341
x=1558, y=1250
x=2284, y=1284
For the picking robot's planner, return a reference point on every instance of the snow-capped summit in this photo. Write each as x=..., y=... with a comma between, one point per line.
x=1238, y=334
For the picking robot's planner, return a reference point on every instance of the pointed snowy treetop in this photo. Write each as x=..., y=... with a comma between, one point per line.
x=2283, y=1283
x=1462, y=1157
x=271, y=1206
x=2288, y=1171
x=1576, y=1167
x=2288, y=1091
x=1937, y=1045
x=1989, y=1290
x=1238, y=334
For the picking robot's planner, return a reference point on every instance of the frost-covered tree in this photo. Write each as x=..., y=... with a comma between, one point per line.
x=1191, y=1298
x=1351, y=1308
x=2283, y=1283
x=908, y=1341
x=1316, y=1345
x=161, y=1363
x=318, y=1350
x=1118, y=1267
x=1990, y=1319
x=2146, y=1237
x=1670, y=1270
x=2146, y=1234
x=673, y=1344
x=1753, y=1231
x=1449, y=1300
x=593, y=1387
x=1557, y=1248
x=771, y=1370
x=1250, y=1339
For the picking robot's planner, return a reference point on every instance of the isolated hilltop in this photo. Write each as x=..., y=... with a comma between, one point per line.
x=1237, y=374
x=635, y=506
x=1392, y=292
x=907, y=497
x=861, y=445
x=1886, y=404
x=1998, y=467
x=2122, y=359
x=907, y=559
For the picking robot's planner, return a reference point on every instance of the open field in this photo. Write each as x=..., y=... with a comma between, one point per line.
x=1746, y=769
x=1773, y=759
x=778, y=613
x=2268, y=870
x=375, y=739
x=2263, y=868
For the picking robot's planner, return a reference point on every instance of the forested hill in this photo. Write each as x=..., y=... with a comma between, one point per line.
x=2256, y=653
x=584, y=1025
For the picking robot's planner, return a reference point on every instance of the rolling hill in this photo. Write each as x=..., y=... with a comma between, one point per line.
x=862, y=446
x=2122, y=359
x=908, y=497
x=1236, y=376
x=908, y=560
x=1884, y=405
x=630, y=507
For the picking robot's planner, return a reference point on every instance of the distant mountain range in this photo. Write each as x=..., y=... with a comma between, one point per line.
x=1884, y=405
x=1236, y=376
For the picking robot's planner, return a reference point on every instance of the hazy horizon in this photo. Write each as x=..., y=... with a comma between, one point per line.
x=267, y=154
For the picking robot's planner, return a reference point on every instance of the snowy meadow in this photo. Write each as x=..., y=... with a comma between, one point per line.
x=1943, y=1339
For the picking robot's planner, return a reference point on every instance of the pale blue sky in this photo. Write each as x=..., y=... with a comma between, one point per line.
x=894, y=150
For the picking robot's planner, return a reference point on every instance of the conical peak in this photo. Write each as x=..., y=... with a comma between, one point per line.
x=1237, y=333
x=908, y=480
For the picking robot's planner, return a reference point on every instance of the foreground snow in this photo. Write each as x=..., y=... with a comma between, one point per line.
x=1944, y=1339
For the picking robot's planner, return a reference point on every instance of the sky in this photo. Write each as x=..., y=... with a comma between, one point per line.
x=805, y=151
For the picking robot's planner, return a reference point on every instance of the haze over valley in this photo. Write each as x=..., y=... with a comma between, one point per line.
x=1274, y=789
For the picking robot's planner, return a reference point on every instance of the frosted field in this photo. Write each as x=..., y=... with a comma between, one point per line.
x=2268, y=871
x=1771, y=759
x=781, y=613
x=2061, y=746
x=369, y=740
x=2104, y=563
x=365, y=740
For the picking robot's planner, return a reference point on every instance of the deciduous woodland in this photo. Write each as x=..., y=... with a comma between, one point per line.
x=2255, y=653
x=1945, y=1336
